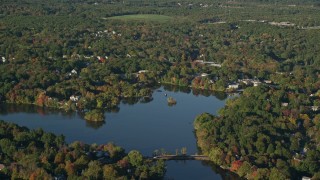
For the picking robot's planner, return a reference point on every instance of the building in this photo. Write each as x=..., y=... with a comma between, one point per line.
x=305, y=178
x=204, y=74
x=74, y=71
x=74, y=98
x=2, y=166
x=233, y=86
x=315, y=108
x=143, y=71
x=267, y=81
x=256, y=83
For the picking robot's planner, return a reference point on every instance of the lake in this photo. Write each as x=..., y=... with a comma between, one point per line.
x=144, y=126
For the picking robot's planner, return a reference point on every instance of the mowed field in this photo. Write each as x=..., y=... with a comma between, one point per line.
x=143, y=17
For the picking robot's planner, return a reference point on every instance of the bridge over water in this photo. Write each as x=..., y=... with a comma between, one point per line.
x=182, y=157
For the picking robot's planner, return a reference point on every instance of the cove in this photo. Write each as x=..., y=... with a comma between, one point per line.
x=144, y=126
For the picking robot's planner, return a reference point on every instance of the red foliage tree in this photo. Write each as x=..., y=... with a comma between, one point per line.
x=236, y=165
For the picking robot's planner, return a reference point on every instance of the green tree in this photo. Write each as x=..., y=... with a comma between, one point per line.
x=94, y=170
x=135, y=158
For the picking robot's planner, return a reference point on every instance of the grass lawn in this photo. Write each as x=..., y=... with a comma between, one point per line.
x=143, y=17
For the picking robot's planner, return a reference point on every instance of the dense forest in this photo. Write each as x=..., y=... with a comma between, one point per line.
x=35, y=154
x=264, y=133
x=89, y=55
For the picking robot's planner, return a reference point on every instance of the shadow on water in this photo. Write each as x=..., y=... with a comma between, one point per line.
x=130, y=101
x=95, y=125
x=196, y=92
x=174, y=88
x=6, y=109
x=135, y=100
x=225, y=174
x=113, y=110
x=31, y=109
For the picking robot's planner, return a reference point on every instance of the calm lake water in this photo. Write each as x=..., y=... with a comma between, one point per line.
x=144, y=126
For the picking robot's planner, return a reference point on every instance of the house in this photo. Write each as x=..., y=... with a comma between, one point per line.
x=267, y=81
x=204, y=74
x=198, y=61
x=74, y=98
x=2, y=166
x=143, y=71
x=246, y=81
x=315, y=108
x=88, y=57
x=3, y=59
x=100, y=154
x=305, y=178
x=74, y=71
x=101, y=59
x=256, y=83
x=233, y=86
x=285, y=104
x=215, y=65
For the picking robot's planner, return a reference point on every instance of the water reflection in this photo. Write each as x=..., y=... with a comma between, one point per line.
x=30, y=109
x=6, y=109
x=196, y=92
x=226, y=175
x=130, y=101
x=146, y=126
x=174, y=88
x=95, y=124
x=113, y=110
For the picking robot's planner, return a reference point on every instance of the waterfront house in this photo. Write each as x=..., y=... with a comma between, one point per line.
x=233, y=86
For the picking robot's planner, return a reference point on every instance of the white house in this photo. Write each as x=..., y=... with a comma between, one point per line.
x=143, y=71
x=315, y=108
x=305, y=178
x=204, y=74
x=2, y=166
x=74, y=98
x=268, y=81
x=74, y=71
x=256, y=83
x=3, y=59
x=233, y=86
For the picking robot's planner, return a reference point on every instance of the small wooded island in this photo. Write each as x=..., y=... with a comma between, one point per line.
x=171, y=101
x=95, y=115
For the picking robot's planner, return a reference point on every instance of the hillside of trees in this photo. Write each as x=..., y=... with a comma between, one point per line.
x=264, y=133
x=86, y=55
x=53, y=50
x=35, y=154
